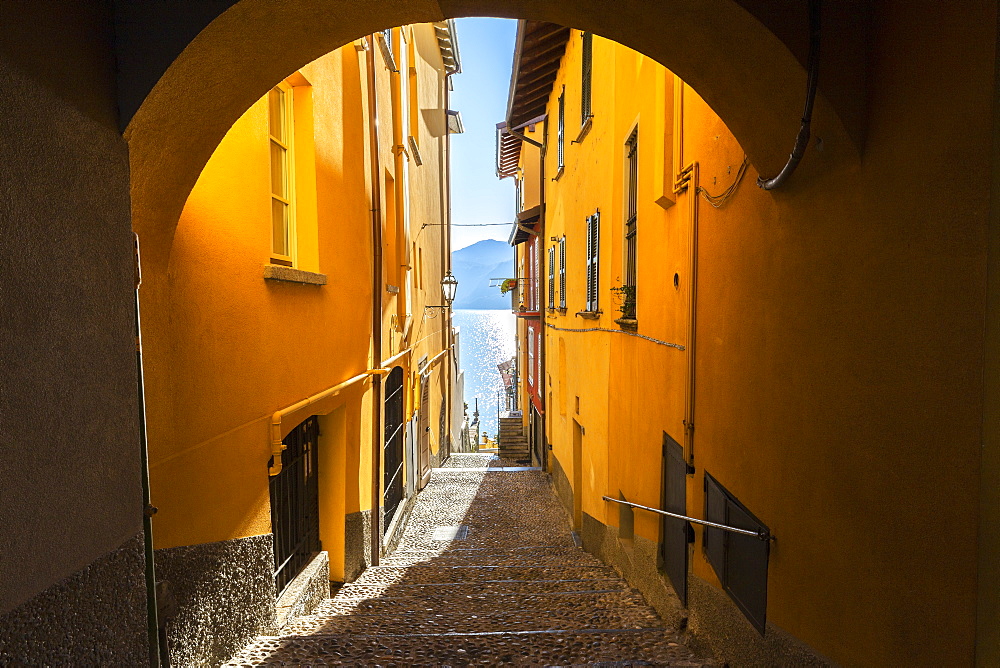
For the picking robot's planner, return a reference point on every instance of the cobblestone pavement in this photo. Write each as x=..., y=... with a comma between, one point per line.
x=486, y=573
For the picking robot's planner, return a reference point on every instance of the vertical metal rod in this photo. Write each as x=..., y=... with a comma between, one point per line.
x=376, y=193
x=152, y=614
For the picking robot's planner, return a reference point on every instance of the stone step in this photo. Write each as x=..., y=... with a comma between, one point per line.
x=444, y=618
x=360, y=591
x=469, y=602
x=618, y=647
x=508, y=560
x=420, y=574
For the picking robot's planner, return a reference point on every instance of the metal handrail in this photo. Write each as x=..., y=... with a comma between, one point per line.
x=763, y=535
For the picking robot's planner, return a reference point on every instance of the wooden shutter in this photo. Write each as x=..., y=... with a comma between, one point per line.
x=593, y=248
x=562, y=272
x=585, y=99
x=552, y=277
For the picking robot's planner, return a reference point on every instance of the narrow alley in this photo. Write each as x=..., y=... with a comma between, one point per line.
x=486, y=572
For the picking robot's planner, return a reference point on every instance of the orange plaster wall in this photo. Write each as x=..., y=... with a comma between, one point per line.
x=839, y=342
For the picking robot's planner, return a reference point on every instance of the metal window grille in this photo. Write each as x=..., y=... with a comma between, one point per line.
x=586, y=110
x=631, y=219
x=593, y=245
x=392, y=488
x=562, y=272
x=295, y=503
x=552, y=277
x=561, y=136
x=739, y=561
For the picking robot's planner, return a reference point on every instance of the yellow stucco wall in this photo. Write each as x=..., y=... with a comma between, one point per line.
x=225, y=348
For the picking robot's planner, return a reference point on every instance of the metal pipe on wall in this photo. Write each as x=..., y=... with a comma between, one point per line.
x=156, y=652
x=376, y=229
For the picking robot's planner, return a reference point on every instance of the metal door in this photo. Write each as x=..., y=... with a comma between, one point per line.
x=424, y=432
x=295, y=503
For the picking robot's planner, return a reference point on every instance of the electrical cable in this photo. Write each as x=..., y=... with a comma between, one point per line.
x=718, y=200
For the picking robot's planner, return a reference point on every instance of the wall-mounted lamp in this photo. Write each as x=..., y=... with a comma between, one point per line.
x=449, y=286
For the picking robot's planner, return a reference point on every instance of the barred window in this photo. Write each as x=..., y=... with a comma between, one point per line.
x=631, y=220
x=562, y=272
x=593, y=245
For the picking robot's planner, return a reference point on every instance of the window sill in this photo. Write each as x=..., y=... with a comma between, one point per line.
x=277, y=272
x=561, y=310
x=584, y=129
x=629, y=324
x=589, y=315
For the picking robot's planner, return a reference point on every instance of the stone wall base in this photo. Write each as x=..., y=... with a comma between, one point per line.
x=712, y=622
x=225, y=597
x=94, y=617
x=357, y=544
x=304, y=594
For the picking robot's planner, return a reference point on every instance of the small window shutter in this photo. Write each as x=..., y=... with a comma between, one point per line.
x=562, y=131
x=552, y=277
x=593, y=243
x=585, y=99
x=562, y=272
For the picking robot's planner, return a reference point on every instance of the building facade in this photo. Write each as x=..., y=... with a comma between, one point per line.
x=643, y=346
x=267, y=457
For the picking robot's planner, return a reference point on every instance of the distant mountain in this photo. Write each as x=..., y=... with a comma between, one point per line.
x=474, y=266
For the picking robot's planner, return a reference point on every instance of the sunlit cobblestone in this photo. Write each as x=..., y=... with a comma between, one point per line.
x=515, y=590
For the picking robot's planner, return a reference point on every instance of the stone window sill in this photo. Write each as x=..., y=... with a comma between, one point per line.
x=589, y=315
x=629, y=324
x=276, y=272
x=584, y=129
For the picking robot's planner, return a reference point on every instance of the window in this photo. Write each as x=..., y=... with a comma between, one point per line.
x=531, y=359
x=561, y=136
x=562, y=272
x=586, y=110
x=552, y=277
x=593, y=243
x=631, y=216
x=280, y=132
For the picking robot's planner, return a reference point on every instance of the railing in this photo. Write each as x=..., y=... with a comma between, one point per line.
x=763, y=535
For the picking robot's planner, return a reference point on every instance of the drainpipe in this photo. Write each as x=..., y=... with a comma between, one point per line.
x=376, y=194
x=541, y=272
x=693, y=172
x=802, y=139
x=152, y=616
x=446, y=258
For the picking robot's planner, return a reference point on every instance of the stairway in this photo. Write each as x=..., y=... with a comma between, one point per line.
x=486, y=573
x=513, y=443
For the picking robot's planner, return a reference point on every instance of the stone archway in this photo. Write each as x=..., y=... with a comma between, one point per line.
x=212, y=66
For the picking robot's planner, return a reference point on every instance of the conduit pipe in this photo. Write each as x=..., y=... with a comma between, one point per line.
x=395, y=358
x=276, y=439
x=376, y=195
x=693, y=174
x=802, y=140
x=432, y=361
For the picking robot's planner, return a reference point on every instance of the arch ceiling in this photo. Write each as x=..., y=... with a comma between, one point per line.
x=187, y=71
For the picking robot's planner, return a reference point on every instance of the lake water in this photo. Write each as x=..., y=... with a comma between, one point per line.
x=486, y=339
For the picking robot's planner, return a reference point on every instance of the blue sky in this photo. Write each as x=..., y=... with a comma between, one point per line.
x=477, y=195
